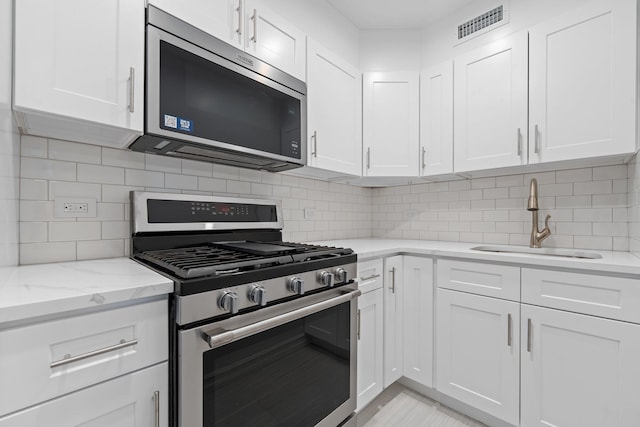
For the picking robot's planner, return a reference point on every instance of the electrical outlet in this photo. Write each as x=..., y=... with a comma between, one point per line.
x=309, y=213
x=74, y=208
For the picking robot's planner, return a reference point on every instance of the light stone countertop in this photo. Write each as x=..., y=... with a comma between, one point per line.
x=624, y=263
x=46, y=289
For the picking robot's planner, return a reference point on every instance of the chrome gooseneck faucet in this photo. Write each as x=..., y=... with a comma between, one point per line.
x=537, y=236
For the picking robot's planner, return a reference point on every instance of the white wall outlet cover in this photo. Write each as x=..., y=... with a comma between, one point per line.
x=67, y=207
x=309, y=213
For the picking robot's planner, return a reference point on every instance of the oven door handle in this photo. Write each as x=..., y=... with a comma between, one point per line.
x=219, y=337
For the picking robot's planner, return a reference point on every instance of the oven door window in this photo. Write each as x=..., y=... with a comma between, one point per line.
x=201, y=98
x=292, y=375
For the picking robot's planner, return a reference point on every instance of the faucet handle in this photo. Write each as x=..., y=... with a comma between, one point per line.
x=546, y=221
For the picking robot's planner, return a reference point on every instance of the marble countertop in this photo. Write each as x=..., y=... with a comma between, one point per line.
x=611, y=262
x=45, y=289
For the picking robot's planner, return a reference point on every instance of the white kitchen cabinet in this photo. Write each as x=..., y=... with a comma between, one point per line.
x=478, y=353
x=370, y=346
x=220, y=18
x=393, y=319
x=436, y=120
x=417, y=310
x=582, y=83
x=490, y=105
x=390, y=124
x=79, y=69
x=128, y=400
x=334, y=110
x=578, y=370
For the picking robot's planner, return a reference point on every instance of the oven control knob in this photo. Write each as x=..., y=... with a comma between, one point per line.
x=229, y=301
x=327, y=278
x=296, y=285
x=258, y=295
x=341, y=275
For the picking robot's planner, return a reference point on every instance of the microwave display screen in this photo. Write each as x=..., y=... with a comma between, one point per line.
x=201, y=98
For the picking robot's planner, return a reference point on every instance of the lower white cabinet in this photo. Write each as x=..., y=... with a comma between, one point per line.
x=393, y=321
x=138, y=399
x=578, y=370
x=370, y=346
x=478, y=356
x=417, y=288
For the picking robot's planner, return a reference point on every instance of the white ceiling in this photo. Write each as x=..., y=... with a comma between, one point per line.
x=396, y=14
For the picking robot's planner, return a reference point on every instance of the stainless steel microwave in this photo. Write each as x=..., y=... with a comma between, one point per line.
x=207, y=100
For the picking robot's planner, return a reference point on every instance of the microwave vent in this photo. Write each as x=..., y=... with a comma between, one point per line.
x=480, y=22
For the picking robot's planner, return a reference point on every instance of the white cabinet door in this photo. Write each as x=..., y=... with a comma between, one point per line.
x=578, y=370
x=220, y=18
x=490, y=105
x=391, y=124
x=583, y=83
x=334, y=106
x=478, y=351
x=370, y=346
x=417, y=290
x=274, y=40
x=393, y=330
x=436, y=120
x=126, y=401
x=81, y=61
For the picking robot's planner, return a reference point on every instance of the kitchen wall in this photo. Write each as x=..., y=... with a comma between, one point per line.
x=634, y=206
x=53, y=169
x=588, y=209
x=9, y=146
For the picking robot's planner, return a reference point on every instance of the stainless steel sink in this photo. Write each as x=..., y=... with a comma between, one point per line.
x=567, y=253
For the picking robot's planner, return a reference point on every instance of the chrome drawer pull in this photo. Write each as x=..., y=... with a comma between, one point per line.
x=358, y=322
x=373, y=276
x=529, y=333
x=70, y=359
x=156, y=408
x=509, y=329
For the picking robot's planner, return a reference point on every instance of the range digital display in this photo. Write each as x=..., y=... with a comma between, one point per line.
x=182, y=211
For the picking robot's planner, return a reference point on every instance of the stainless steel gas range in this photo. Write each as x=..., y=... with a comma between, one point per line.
x=262, y=331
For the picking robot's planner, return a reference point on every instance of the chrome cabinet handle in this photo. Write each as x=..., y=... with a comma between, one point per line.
x=240, y=16
x=529, y=333
x=424, y=153
x=536, y=140
x=255, y=26
x=132, y=78
x=373, y=276
x=368, y=157
x=70, y=359
x=219, y=336
x=393, y=280
x=156, y=408
x=509, y=329
x=519, y=139
x=315, y=143
x=358, y=323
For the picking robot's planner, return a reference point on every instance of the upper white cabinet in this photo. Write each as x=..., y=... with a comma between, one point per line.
x=417, y=287
x=582, y=83
x=436, y=120
x=334, y=106
x=390, y=124
x=79, y=69
x=490, y=105
x=220, y=18
x=578, y=370
x=247, y=25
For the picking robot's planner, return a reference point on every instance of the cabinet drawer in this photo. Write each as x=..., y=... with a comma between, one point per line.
x=127, y=400
x=370, y=275
x=611, y=297
x=99, y=346
x=499, y=281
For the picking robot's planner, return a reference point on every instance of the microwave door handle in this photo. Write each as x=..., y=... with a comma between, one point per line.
x=219, y=337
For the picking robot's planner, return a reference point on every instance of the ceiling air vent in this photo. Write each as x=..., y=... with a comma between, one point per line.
x=480, y=22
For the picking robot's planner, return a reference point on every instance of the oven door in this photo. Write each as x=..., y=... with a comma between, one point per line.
x=291, y=364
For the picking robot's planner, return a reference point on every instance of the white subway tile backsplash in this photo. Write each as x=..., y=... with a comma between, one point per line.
x=33, y=189
x=212, y=184
x=609, y=200
x=47, y=169
x=38, y=253
x=191, y=167
x=144, y=178
x=32, y=210
x=100, y=174
x=122, y=158
x=100, y=249
x=33, y=146
x=610, y=172
x=574, y=175
x=181, y=182
x=162, y=163
x=72, y=231
x=116, y=229
x=593, y=215
x=118, y=193
x=74, y=152
x=483, y=183
x=615, y=229
x=33, y=232
x=593, y=187
x=593, y=242
x=74, y=190
x=573, y=201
